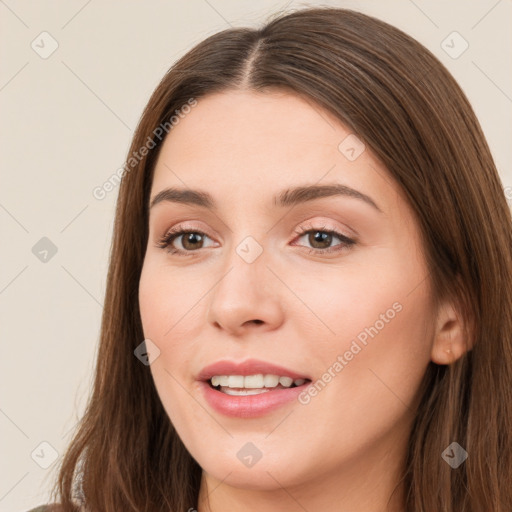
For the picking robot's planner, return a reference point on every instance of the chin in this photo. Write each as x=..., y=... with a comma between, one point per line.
x=261, y=478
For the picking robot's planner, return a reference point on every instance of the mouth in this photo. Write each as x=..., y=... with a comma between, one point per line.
x=250, y=388
x=244, y=385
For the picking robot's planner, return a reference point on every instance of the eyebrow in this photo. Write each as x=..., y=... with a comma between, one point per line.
x=288, y=197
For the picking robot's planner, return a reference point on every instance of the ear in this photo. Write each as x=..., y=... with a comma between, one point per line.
x=450, y=341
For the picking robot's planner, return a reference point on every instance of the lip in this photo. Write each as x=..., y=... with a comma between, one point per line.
x=248, y=406
x=247, y=367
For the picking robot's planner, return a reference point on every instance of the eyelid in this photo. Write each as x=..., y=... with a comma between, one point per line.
x=308, y=224
x=335, y=226
x=186, y=226
x=327, y=226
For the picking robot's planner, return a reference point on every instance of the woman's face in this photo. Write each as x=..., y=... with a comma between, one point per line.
x=353, y=317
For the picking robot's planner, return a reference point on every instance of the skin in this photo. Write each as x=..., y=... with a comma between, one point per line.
x=342, y=451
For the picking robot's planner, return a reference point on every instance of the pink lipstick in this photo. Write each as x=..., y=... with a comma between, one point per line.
x=250, y=388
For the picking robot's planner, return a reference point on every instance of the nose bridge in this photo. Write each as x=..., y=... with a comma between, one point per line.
x=247, y=289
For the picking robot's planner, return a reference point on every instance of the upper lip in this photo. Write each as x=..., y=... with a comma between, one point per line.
x=247, y=367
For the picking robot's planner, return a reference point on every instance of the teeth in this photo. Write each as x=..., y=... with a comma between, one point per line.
x=253, y=381
x=236, y=381
x=285, y=381
x=270, y=381
x=258, y=381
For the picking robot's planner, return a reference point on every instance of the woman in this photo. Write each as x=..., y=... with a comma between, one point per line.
x=308, y=299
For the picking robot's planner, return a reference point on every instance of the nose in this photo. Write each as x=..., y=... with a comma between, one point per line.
x=247, y=296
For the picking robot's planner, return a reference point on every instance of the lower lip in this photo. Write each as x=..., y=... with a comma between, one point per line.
x=249, y=406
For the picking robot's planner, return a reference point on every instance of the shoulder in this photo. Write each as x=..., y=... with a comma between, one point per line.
x=52, y=507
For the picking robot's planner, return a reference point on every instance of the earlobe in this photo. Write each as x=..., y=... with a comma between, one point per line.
x=445, y=357
x=449, y=343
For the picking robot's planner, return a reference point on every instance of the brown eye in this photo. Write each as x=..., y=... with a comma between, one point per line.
x=322, y=238
x=192, y=240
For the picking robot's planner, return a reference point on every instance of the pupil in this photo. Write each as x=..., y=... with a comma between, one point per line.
x=190, y=239
x=320, y=237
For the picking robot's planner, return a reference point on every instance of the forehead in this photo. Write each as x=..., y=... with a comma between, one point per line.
x=254, y=144
x=240, y=121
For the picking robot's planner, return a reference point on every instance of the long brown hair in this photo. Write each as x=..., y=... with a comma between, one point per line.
x=403, y=103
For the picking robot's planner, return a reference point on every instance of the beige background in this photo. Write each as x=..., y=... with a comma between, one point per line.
x=66, y=124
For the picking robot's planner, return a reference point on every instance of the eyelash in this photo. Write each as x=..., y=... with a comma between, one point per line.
x=166, y=241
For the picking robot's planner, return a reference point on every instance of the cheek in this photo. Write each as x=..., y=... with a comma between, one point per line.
x=167, y=316
x=168, y=300
x=368, y=373
x=147, y=290
x=339, y=303
x=378, y=323
x=172, y=318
